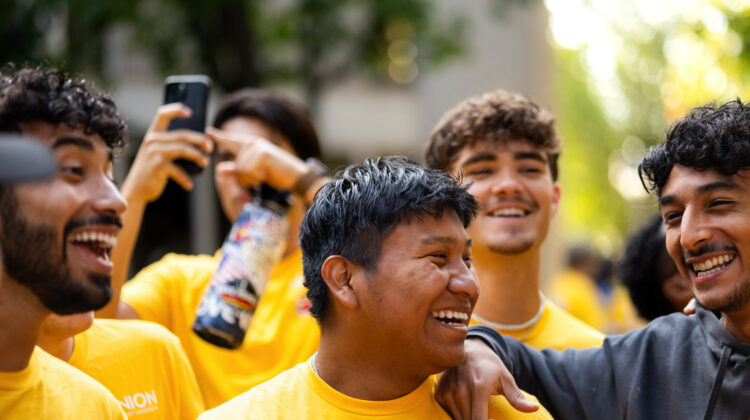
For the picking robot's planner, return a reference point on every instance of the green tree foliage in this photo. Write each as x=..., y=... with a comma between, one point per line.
x=628, y=69
x=241, y=43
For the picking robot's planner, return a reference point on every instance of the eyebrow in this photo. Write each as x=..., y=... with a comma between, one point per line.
x=530, y=155
x=712, y=186
x=434, y=239
x=80, y=142
x=480, y=157
x=73, y=141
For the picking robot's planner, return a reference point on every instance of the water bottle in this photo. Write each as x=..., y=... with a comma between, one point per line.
x=253, y=247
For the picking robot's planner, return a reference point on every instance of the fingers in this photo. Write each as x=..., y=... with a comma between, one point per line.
x=228, y=141
x=173, y=151
x=515, y=397
x=179, y=176
x=690, y=307
x=166, y=113
x=184, y=136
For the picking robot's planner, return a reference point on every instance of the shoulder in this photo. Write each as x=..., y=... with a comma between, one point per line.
x=81, y=392
x=132, y=333
x=172, y=271
x=499, y=408
x=673, y=328
x=266, y=400
x=578, y=332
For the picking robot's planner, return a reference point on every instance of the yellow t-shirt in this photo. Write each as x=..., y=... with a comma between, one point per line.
x=299, y=394
x=555, y=329
x=143, y=365
x=282, y=332
x=51, y=389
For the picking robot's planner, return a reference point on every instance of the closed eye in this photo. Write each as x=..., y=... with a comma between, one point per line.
x=717, y=203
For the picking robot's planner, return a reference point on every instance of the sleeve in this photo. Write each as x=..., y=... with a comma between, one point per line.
x=573, y=384
x=150, y=292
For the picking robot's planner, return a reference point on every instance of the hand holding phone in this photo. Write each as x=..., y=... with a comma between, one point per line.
x=192, y=91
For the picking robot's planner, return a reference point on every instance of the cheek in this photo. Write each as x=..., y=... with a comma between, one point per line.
x=480, y=190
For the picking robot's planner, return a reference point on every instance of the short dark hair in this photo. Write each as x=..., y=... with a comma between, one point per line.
x=644, y=267
x=498, y=117
x=51, y=96
x=278, y=113
x=707, y=137
x=362, y=205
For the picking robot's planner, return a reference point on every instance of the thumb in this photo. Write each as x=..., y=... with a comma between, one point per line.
x=516, y=398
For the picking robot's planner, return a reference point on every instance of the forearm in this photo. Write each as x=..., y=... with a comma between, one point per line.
x=122, y=253
x=575, y=384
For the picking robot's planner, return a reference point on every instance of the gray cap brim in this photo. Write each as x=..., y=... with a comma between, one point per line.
x=22, y=160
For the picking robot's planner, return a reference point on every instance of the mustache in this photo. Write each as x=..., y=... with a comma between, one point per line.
x=707, y=249
x=96, y=220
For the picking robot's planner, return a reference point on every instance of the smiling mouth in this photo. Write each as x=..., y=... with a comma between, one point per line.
x=509, y=212
x=98, y=243
x=712, y=265
x=451, y=317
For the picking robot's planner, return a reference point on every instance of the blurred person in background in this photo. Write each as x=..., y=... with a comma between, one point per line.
x=587, y=289
x=260, y=137
x=387, y=262
x=655, y=285
x=504, y=147
x=56, y=236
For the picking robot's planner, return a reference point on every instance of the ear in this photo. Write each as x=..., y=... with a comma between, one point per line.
x=555, y=198
x=337, y=273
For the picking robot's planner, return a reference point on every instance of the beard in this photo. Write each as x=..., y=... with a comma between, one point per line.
x=34, y=256
x=737, y=299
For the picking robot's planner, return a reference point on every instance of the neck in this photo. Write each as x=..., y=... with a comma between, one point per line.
x=21, y=315
x=738, y=323
x=62, y=349
x=355, y=368
x=509, y=285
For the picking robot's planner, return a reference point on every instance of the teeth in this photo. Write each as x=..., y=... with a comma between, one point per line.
x=711, y=266
x=448, y=315
x=513, y=212
x=104, y=240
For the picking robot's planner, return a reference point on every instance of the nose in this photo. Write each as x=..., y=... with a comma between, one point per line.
x=506, y=184
x=107, y=199
x=463, y=280
x=694, y=232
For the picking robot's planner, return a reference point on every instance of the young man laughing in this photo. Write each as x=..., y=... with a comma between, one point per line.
x=504, y=147
x=387, y=262
x=56, y=236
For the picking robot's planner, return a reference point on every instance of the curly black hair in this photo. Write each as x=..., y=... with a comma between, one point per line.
x=275, y=111
x=707, y=137
x=51, y=96
x=360, y=207
x=498, y=116
x=644, y=267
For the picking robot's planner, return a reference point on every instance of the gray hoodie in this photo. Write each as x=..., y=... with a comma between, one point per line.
x=677, y=367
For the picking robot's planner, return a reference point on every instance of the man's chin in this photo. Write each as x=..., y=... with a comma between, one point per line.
x=79, y=298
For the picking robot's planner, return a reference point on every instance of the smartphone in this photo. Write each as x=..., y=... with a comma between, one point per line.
x=191, y=90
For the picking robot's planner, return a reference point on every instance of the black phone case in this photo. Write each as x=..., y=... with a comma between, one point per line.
x=193, y=93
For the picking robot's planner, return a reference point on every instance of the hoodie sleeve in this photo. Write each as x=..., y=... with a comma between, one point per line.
x=573, y=384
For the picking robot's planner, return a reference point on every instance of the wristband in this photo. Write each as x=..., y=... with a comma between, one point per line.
x=315, y=170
